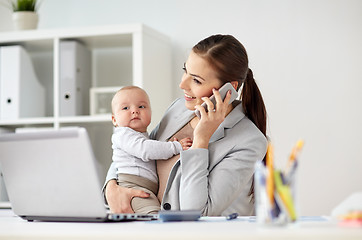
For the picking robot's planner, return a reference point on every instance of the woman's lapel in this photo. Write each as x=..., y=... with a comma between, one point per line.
x=175, y=124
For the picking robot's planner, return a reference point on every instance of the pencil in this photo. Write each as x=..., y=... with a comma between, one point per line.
x=295, y=151
x=293, y=157
x=285, y=196
x=270, y=177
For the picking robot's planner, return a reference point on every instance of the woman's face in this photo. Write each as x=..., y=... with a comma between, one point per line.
x=198, y=80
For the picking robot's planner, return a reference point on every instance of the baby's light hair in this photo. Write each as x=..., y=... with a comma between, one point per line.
x=131, y=87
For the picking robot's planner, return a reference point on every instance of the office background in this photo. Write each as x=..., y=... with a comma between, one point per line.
x=306, y=56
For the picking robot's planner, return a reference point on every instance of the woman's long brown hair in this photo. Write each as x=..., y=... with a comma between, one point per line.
x=228, y=57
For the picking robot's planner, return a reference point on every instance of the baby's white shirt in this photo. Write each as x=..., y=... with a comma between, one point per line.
x=134, y=152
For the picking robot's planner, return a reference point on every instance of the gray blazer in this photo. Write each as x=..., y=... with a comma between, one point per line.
x=217, y=180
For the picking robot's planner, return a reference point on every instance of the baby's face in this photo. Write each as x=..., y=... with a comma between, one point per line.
x=131, y=108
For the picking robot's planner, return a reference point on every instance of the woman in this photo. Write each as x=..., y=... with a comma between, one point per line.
x=216, y=174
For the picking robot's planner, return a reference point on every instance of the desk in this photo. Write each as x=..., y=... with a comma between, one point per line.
x=12, y=227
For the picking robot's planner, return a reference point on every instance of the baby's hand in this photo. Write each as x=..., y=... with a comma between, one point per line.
x=185, y=143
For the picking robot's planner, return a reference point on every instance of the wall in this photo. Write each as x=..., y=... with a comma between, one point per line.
x=307, y=59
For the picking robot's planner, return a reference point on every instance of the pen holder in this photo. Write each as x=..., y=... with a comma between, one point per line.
x=275, y=193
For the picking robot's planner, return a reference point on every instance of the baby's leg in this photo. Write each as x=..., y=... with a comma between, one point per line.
x=149, y=205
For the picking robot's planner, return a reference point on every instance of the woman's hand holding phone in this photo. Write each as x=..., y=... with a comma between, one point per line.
x=210, y=117
x=222, y=91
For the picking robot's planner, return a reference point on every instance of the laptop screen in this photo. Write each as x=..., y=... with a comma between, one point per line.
x=51, y=173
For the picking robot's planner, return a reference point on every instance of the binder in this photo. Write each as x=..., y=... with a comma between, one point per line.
x=3, y=193
x=75, y=78
x=21, y=94
x=0, y=83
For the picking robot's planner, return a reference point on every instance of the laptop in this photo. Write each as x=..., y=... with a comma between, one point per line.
x=52, y=176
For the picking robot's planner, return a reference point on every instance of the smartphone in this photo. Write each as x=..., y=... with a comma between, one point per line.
x=173, y=216
x=223, y=90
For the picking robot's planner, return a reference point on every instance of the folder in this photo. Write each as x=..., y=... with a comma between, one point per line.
x=21, y=94
x=75, y=78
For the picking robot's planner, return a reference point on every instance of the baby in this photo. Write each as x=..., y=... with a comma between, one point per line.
x=133, y=151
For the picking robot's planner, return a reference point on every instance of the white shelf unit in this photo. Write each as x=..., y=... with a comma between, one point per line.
x=131, y=54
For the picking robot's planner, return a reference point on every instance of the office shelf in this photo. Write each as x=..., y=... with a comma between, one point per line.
x=130, y=54
x=27, y=121
x=143, y=56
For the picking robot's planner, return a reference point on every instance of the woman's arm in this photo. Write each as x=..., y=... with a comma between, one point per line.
x=194, y=185
x=212, y=179
x=214, y=174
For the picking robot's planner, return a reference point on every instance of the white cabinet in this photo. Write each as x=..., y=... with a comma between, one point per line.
x=121, y=55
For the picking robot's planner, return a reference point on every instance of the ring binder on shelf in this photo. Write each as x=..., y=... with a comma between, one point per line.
x=75, y=78
x=21, y=94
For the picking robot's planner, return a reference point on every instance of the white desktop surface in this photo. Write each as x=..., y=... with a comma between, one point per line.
x=13, y=227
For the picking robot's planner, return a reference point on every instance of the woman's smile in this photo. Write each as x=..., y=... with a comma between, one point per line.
x=189, y=98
